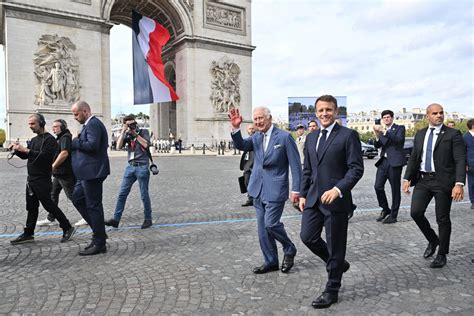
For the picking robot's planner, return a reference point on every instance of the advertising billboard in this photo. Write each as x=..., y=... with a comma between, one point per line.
x=301, y=111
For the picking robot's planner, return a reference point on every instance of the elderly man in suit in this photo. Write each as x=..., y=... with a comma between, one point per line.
x=333, y=165
x=390, y=137
x=275, y=151
x=90, y=164
x=437, y=168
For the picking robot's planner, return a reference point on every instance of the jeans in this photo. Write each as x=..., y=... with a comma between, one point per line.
x=133, y=173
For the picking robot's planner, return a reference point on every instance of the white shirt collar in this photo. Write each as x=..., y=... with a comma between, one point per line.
x=437, y=128
x=329, y=128
x=269, y=131
x=87, y=121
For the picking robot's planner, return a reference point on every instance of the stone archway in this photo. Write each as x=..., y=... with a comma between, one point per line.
x=210, y=52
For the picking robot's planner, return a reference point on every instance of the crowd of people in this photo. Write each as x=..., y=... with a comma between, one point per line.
x=79, y=165
x=325, y=166
x=327, y=163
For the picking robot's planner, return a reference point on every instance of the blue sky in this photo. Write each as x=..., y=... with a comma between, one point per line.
x=380, y=54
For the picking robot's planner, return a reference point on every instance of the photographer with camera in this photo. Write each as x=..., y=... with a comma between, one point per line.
x=40, y=155
x=138, y=141
x=390, y=137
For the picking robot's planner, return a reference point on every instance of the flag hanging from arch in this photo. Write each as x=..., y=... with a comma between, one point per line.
x=149, y=82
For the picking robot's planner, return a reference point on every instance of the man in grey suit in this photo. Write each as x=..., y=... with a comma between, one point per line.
x=275, y=151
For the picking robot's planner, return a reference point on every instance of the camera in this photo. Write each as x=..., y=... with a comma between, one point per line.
x=154, y=169
x=132, y=126
x=377, y=121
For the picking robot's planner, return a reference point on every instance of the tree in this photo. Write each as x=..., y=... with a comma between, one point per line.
x=2, y=137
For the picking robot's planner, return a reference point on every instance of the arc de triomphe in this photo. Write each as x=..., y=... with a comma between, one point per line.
x=58, y=51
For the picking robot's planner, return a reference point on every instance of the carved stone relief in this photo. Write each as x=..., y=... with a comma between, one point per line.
x=225, y=17
x=189, y=4
x=225, y=85
x=56, y=71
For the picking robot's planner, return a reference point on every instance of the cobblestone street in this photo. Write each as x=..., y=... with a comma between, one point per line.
x=198, y=256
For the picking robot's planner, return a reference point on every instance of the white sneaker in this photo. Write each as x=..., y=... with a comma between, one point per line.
x=82, y=222
x=46, y=222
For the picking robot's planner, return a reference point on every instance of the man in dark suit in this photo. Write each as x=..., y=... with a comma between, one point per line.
x=90, y=164
x=246, y=164
x=437, y=168
x=390, y=137
x=332, y=167
x=275, y=151
x=469, y=140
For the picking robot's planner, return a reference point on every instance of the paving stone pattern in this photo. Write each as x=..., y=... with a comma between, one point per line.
x=198, y=256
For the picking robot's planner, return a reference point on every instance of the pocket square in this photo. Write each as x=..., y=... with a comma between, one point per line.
x=276, y=146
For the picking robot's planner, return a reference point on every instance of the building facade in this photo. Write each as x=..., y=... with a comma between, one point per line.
x=57, y=52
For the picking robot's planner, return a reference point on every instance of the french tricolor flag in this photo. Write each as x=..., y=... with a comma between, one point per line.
x=149, y=83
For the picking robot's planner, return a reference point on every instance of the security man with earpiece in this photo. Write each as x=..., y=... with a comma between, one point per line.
x=40, y=153
x=63, y=176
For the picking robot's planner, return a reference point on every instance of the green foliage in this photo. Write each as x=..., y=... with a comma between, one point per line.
x=366, y=136
x=2, y=137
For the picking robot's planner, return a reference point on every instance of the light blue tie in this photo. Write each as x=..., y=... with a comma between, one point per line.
x=429, y=151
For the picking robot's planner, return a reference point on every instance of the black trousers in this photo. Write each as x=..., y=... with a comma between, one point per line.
x=427, y=188
x=333, y=250
x=393, y=175
x=61, y=182
x=40, y=191
x=87, y=198
x=246, y=182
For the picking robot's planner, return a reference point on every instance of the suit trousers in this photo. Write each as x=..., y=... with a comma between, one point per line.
x=427, y=188
x=333, y=250
x=247, y=175
x=271, y=229
x=87, y=198
x=393, y=175
x=61, y=182
x=40, y=191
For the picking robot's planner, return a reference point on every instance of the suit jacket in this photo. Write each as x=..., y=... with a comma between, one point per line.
x=269, y=179
x=300, y=145
x=246, y=164
x=469, y=141
x=392, y=145
x=449, y=156
x=341, y=164
x=89, y=152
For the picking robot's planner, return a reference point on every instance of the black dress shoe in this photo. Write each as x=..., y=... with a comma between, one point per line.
x=438, y=262
x=287, y=263
x=147, y=223
x=94, y=250
x=382, y=216
x=111, y=222
x=68, y=234
x=248, y=203
x=89, y=245
x=345, y=266
x=325, y=300
x=389, y=220
x=430, y=250
x=264, y=269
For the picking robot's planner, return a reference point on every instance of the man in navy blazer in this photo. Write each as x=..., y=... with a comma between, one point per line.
x=332, y=167
x=274, y=151
x=390, y=137
x=90, y=164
